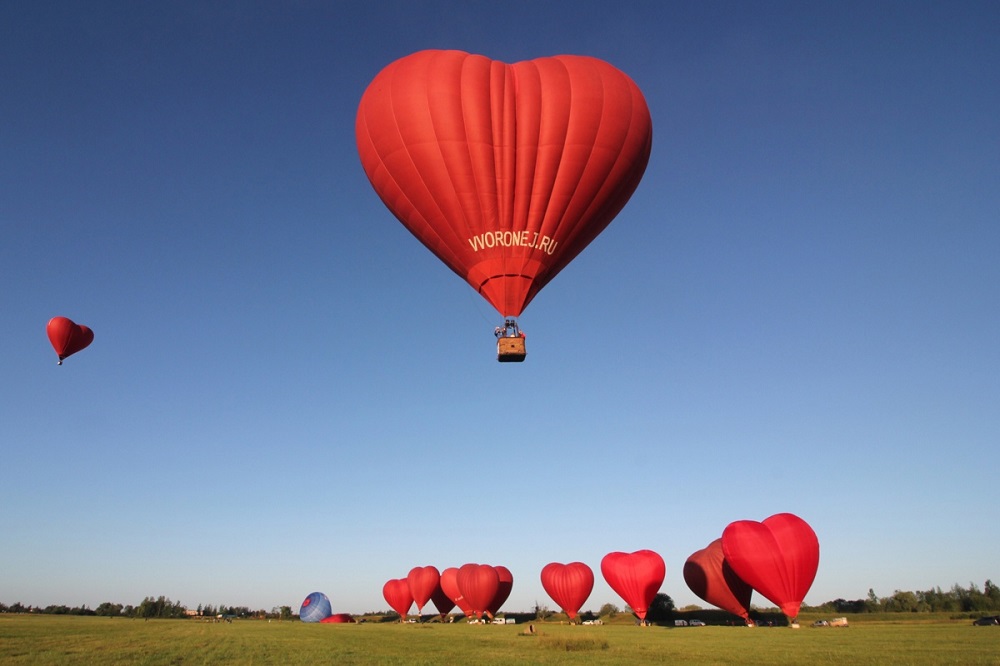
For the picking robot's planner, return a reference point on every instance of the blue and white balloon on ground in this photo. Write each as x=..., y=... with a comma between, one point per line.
x=315, y=607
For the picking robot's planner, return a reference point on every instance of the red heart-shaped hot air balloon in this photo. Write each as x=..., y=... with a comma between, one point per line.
x=569, y=585
x=505, y=583
x=397, y=593
x=636, y=577
x=423, y=581
x=479, y=584
x=778, y=557
x=505, y=172
x=449, y=586
x=709, y=575
x=67, y=337
x=442, y=602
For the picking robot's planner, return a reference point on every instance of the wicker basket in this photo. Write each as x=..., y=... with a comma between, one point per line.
x=510, y=350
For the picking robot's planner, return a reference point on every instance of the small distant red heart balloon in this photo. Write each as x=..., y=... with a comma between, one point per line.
x=67, y=337
x=709, y=575
x=479, y=584
x=778, y=557
x=569, y=585
x=449, y=586
x=397, y=593
x=636, y=577
x=423, y=581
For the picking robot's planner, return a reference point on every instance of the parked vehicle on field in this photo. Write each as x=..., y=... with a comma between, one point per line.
x=990, y=620
x=696, y=623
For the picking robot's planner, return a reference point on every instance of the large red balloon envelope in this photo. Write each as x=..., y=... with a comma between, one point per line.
x=505, y=583
x=636, y=577
x=449, y=586
x=479, y=584
x=505, y=172
x=778, y=557
x=397, y=593
x=67, y=337
x=569, y=585
x=423, y=581
x=709, y=575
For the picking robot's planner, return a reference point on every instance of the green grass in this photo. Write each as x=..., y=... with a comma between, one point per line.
x=42, y=639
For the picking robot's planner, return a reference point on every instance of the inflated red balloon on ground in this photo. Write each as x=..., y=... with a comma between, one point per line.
x=67, y=337
x=338, y=618
x=479, y=584
x=505, y=583
x=569, y=585
x=506, y=172
x=636, y=577
x=778, y=557
x=449, y=585
x=397, y=594
x=423, y=581
x=709, y=575
x=442, y=602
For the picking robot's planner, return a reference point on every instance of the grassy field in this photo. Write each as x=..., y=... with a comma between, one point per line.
x=46, y=639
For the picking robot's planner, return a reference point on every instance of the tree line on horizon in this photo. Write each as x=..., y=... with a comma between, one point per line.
x=160, y=607
x=958, y=599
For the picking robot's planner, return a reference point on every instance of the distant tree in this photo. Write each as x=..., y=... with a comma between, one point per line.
x=541, y=612
x=286, y=613
x=901, y=602
x=608, y=610
x=992, y=593
x=661, y=609
x=874, y=604
x=108, y=609
x=844, y=606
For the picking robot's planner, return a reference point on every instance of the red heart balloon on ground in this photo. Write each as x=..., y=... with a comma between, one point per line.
x=709, y=576
x=449, y=585
x=423, y=581
x=505, y=172
x=67, y=337
x=479, y=584
x=569, y=585
x=397, y=593
x=636, y=577
x=505, y=583
x=778, y=557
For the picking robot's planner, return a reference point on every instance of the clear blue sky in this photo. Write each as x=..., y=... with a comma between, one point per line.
x=798, y=310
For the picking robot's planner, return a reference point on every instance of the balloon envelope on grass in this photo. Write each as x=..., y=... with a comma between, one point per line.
x=569, y=585
x=636, y=577
x=710, y=576
x=315, y=607
x=778, y=557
